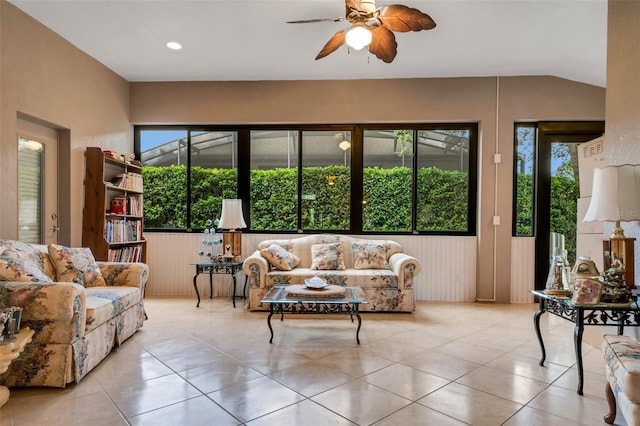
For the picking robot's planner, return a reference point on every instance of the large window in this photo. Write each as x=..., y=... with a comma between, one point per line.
x=352, y=179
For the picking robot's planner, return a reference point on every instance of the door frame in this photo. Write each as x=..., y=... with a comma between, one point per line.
x=549, y=132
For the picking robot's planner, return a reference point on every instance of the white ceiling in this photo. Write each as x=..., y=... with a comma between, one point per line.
x=250, y=40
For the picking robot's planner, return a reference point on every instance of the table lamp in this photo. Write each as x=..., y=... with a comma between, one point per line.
x=231, y=220
x=616, y=197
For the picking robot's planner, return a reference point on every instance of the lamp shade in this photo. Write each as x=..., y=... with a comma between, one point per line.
x=616, y=194
x=232, y=217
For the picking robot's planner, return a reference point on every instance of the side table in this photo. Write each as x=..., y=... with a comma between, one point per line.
x=8, y=353
x=229, y=268
x=582, y=315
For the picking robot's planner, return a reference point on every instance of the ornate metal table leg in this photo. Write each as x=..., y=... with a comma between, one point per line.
x=269, y=321
x=577, y=339
x=357, y=314
x=244, y=290
x=210, y=284
x=233, y=295
x=195, y=286
x=536, y=324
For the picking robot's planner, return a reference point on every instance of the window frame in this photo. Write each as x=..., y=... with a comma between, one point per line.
x=356, y=166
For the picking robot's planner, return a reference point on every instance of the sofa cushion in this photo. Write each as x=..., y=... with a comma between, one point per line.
x=622, y=355
x=22, y=262
x=106, y=302
x=369, y=255
x=280, y=258
x=20, y=270
x=363, y=278
x=76, y=265
x=327, y=256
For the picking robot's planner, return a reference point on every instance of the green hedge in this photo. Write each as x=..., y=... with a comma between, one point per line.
x=563, y=212
x=326, y=195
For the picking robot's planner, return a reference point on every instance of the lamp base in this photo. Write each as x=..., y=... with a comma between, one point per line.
x=232, y=240
x=620, y=250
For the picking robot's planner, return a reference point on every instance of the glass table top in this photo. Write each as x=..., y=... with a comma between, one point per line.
x=277, y=294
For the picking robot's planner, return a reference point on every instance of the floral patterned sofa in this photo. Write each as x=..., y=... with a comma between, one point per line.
x=378, y=267
x=79, y=309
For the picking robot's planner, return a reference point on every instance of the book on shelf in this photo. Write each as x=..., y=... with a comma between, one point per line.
x=122, y=230
x=135, y=205
x=126, y=254
x=129, y=180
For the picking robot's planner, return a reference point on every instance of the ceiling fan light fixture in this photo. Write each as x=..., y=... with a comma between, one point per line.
x=358, y=37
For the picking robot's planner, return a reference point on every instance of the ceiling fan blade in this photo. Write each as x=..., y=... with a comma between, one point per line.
x=313, y=21
x=383, y=43
x=402, y=19
x=333, y=44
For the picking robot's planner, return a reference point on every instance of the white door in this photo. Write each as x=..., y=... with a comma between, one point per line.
x=37, y=183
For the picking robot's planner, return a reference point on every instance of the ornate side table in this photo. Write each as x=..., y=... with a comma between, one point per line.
x=581, y=316
x=228, y=268
x=9, y=352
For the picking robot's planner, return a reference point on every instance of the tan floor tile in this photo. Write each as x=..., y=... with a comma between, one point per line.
x=138, y=398
x=470, y=405
x=503, y=384
x=254, y=399
x=440, y=364
x=528, y=416
x=304, y=413
x=311, y=378
x=361, y=402
x=528, y=367
x=468, y=352
x=593, y=384
x=356, y=362
x=220, y=374
x=586, y=410
x=91, y=409
x=200, y=411
x=418, y=415
x=130, y=371
x=405, y=381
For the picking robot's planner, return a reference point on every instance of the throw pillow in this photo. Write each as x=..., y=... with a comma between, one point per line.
x=76, y=265
x=15, y=269
x=327, y=256
x=369, y=256
x=280, y=258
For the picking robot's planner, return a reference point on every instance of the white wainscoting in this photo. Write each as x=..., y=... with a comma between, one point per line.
x=448, y=265
x=522, y=269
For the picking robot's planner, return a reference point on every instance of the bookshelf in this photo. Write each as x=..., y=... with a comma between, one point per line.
x=112, y=219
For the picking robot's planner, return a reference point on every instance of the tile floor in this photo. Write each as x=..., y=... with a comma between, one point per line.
x=446, y=364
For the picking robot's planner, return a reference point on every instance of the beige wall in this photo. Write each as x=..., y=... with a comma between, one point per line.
x=43, y=76
x=409, y=100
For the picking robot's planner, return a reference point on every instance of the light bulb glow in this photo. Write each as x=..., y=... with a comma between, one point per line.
x=358, y=37
x=174, y=45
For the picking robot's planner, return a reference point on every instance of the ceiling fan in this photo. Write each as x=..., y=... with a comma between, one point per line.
x=373, y=27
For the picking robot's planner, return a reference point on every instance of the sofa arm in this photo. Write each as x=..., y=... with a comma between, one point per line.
x=129, y=274
x=405, y=267
x=256, y=267
x=55, y=311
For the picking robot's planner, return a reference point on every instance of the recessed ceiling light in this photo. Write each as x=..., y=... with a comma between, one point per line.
x=174, y=45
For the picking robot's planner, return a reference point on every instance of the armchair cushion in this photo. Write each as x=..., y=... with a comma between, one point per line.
x=327, y=256
x=280, y=258
x=76, y=265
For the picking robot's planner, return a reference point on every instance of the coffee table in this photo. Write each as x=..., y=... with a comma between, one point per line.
x=281, y=302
